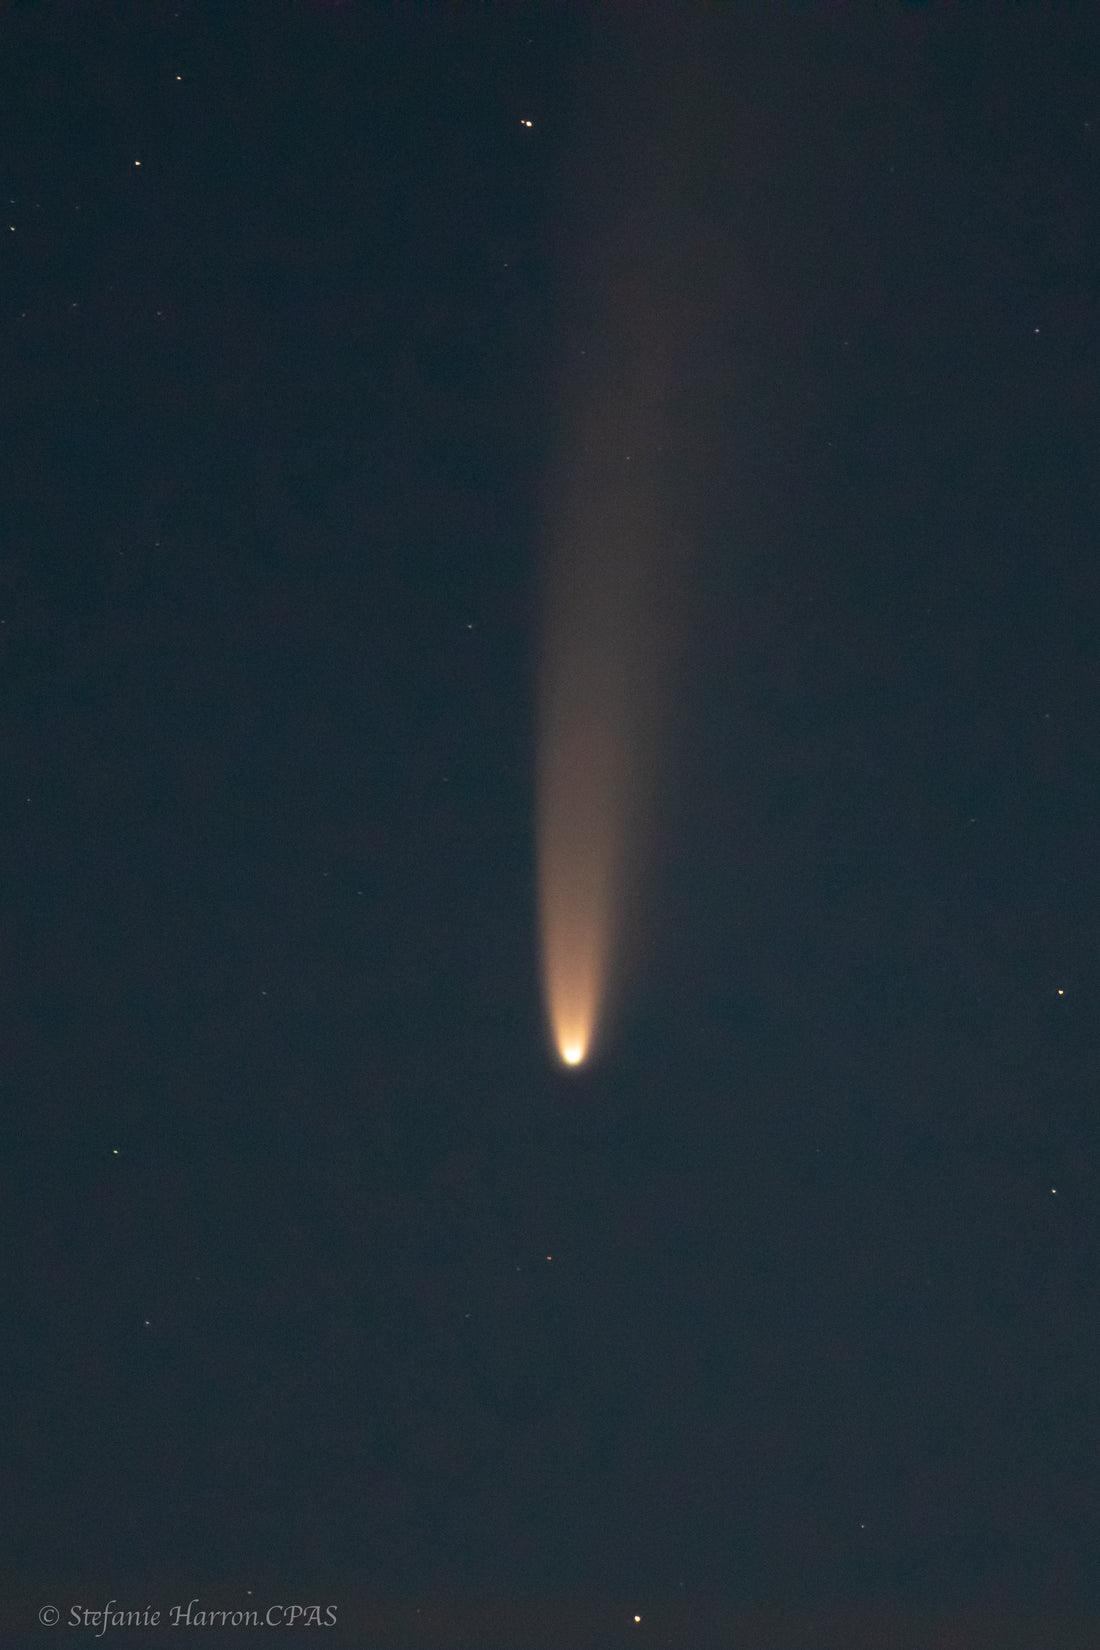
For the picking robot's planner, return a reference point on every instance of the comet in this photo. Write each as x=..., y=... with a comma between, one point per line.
x=631, y=289
x=599, y=689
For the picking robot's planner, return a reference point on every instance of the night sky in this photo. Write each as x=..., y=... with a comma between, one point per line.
x=321, y=1278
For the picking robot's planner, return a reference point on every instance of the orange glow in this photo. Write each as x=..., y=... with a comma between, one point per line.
x=585, y=770
x=597, y=677
x=576, y=880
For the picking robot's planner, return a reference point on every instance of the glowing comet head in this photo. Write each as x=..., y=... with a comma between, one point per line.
x=573, y=981
x=572, y=1050
x=577, y=885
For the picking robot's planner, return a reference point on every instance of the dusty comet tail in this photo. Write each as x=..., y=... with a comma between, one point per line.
x=592, y=738
x=614, y=522
x=600, y=675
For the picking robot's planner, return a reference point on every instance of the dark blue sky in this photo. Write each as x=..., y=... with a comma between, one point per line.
x=284, y=1155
